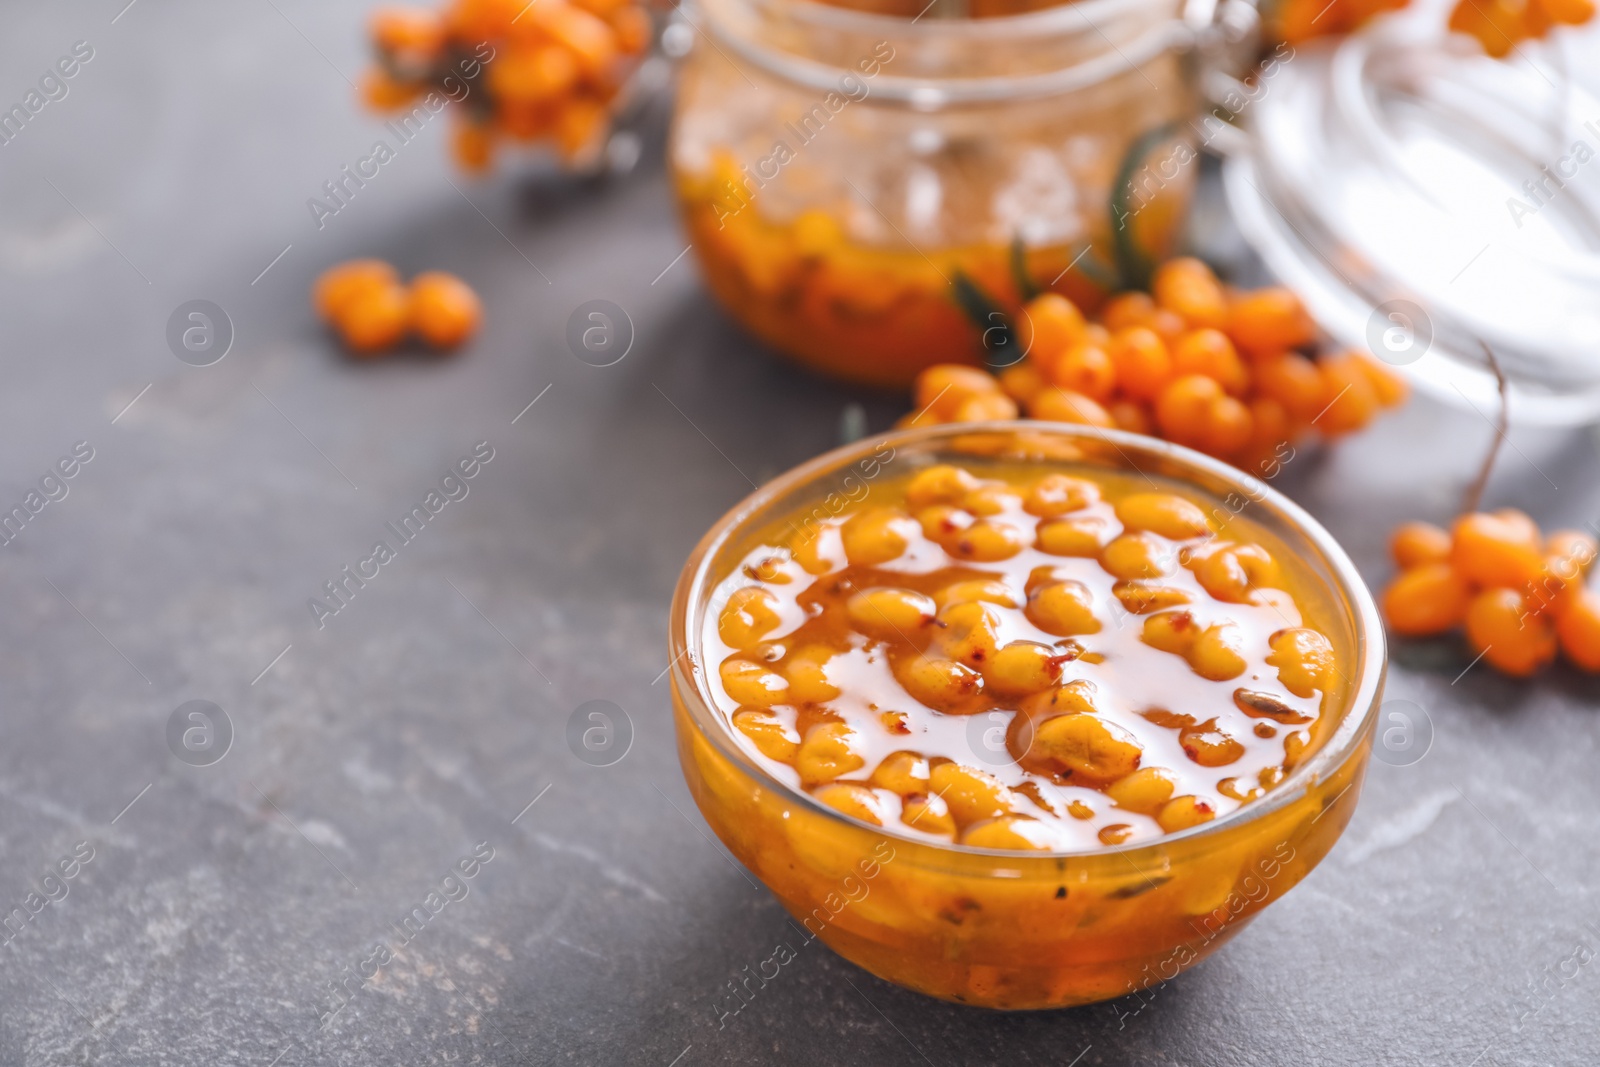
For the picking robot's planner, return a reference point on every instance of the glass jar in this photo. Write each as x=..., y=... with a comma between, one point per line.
x=1024, y=930
x=865, y=191
x=1430, y=204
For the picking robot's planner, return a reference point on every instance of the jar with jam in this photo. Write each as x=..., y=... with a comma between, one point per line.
x=864, y=188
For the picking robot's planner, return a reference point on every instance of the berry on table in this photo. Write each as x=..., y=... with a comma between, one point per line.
x=371, y=309
x=1519, y=595
x=1192, y=361
x=444, y=310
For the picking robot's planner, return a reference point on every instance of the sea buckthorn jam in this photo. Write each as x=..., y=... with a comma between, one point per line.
x=815, y=286
x=953, y=695
x=1024, y=657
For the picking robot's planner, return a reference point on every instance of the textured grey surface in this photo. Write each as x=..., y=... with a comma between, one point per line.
x=219, y=909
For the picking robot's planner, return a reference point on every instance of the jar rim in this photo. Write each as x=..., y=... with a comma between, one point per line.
x=1024, y=24
x=1157, y=36
x=1357, y=715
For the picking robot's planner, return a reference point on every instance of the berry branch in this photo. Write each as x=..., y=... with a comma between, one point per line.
x=1474, y=497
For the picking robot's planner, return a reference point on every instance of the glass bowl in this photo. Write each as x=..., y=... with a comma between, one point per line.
x=1025, y=930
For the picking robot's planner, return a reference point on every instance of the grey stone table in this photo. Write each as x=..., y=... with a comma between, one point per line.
x=172, y=913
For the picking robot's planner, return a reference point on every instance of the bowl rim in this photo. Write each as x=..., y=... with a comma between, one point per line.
x=1359, y=714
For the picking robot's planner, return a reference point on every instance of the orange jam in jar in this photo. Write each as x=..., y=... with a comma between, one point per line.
x=867, y=193
x=1083, y=703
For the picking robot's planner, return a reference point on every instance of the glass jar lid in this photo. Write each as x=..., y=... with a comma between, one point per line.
x=1425, y=201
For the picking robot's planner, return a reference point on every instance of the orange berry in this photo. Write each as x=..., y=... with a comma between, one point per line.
x=1511, y=638
x=1168, y=325
x=1426, y=600
x=418, y=33
x=1293, y=381
x=1578, y=629
x=1351, y=400
x=943, y=388
x=339, y=285
x=1496, y=550
x=1568, y=555
x=1131, y=416
x=1414, y=543
x=1183, y=409
x=1520, y=523
x=1086, y=369
x=590, y=40
x=375, y=319
x=1063, y=405
x=1574, y=545
x=1269, y=321
x=532, y=75
x=1571, y=12
x=1272, y=425
x=985, y=407
x=605, y=9
x=1497, y=24
x=632, y=27
x=1506, y=19
x=1299, y=21
x=1187, y=286
x=482, y=20
x=1141, y=360
x=381, y=92
x=1022, y=380
x=1048, y=326
x=1209, y=352
x=1127, y=309
x=1390, y=388
x=1228, y=427
x=444, y=309
x=472, y=144
x=1557, y=588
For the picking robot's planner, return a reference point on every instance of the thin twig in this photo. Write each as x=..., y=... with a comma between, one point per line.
x=1474, y=497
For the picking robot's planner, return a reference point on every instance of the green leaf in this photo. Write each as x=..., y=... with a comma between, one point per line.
x=995, y=330
x=1102, y=274
x=1027, y=289
x=1133, y=267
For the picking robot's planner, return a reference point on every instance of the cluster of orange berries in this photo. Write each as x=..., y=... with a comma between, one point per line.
x=1192, y=361
x=543, y=71
x=1519, y=595
x=372, y=310
x=1498, y=25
